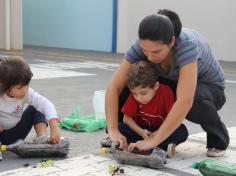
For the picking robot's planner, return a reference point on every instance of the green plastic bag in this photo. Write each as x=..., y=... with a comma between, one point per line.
x=76, y=123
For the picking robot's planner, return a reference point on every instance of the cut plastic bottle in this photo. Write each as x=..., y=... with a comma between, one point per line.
x=215, y=168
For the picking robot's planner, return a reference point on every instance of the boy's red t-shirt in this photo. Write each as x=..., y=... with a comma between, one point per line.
x=154, y=112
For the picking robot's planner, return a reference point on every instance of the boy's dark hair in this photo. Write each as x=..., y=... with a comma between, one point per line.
x=14, y=70
x=160, y=27
x=142, y=73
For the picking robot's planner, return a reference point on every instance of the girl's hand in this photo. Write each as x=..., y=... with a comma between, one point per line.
x=54, y=131
x=55, y=135
x=143, y=145
x=146, y=134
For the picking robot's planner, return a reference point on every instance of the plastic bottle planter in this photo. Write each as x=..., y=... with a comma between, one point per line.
x=32, y=150
x=215, y=168
x=154, y=159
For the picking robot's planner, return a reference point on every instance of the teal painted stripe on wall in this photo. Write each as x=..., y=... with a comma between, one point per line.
x=114, y=28
x=75, y=24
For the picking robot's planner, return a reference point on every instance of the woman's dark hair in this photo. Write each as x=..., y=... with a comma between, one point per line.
x=174, y=18
x=142, y=73
x=160, y=27
x=14, y=70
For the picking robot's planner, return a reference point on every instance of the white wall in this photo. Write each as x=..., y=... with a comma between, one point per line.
x=10, y=24
x=214, y=19
x=4, y=24
x=16, y=36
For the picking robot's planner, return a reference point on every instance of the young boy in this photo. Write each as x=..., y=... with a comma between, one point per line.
x=21, y=107
x=147, y=107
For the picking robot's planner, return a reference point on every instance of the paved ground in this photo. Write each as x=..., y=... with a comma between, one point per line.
x=69, y=78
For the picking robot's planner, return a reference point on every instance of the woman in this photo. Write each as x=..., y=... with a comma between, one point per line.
x=185, y=62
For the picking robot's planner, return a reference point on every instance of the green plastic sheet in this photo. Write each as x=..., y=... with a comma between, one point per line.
x=76, y=123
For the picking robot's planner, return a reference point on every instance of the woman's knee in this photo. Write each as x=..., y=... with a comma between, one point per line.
x=203, y=111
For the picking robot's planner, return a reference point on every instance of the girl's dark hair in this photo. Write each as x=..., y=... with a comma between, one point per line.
x=142, y=73
x=160, y=27
x=14, y=70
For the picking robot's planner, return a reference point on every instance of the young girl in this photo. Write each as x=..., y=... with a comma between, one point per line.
x=21, y=107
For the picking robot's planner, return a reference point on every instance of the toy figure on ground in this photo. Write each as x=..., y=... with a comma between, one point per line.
x=21, y=107
x=115, y=170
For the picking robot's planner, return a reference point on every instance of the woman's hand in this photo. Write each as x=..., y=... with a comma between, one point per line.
x=143, y=145
x=113, y=90
x=117, y=138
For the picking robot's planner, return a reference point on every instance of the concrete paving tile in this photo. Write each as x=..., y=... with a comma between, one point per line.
x=79, y=171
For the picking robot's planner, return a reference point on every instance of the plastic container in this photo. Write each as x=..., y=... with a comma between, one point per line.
x=99, y=104
x=215, y=168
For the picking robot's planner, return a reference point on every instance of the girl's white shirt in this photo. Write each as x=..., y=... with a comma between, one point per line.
x=11, y=109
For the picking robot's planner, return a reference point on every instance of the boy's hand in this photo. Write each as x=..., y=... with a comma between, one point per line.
x=143, y=145
x=55, y=135
x=146, y=134
x=54, y=131
x=153, y=133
